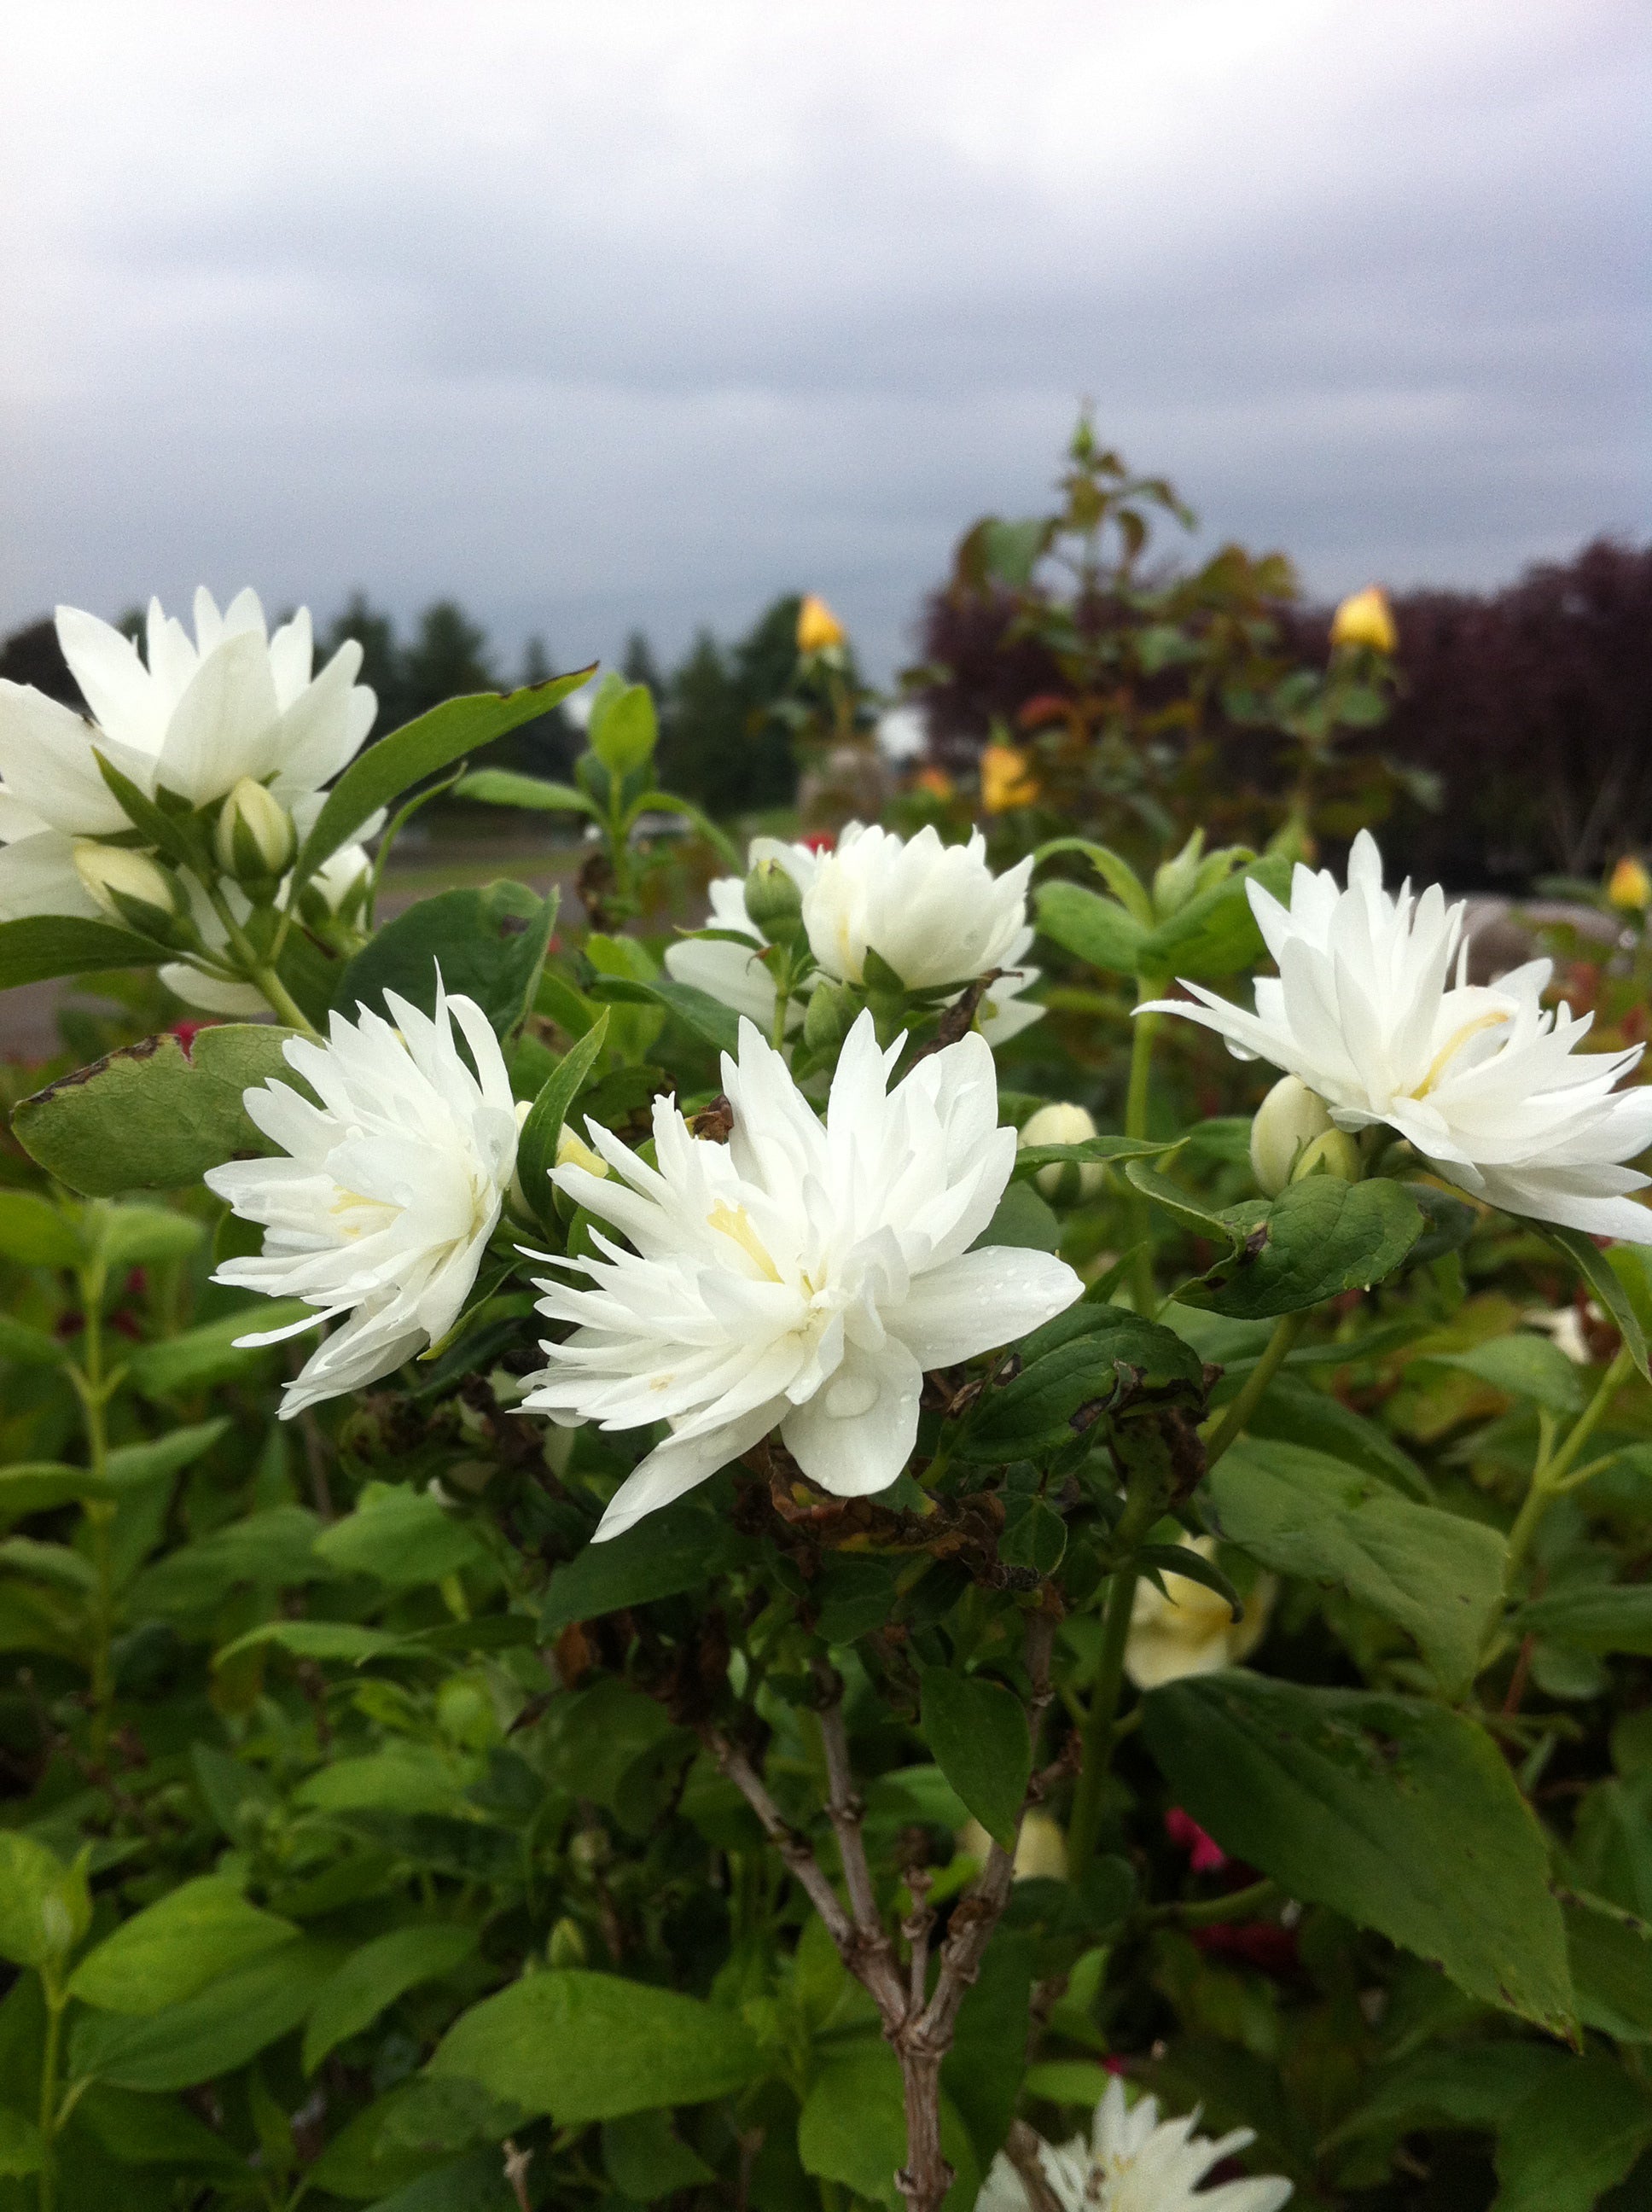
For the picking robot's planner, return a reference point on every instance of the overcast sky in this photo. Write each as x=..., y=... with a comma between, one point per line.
x=602, y=312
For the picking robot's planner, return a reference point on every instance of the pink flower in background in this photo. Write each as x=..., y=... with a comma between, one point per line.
x=1205, y=1854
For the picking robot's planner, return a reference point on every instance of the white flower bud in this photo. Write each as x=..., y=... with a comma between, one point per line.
x=1335, y=1153
x=1063, y=1123
x=254, y=838
x=130, y=886
x=1287, y=1122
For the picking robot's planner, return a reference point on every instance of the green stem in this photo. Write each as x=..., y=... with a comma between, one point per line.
x=1277, y=1351
x=56, y=2002
x=259, y=971
x=1143, y=1287
x=1100, y=1732
x=1209, y=1913
x=94, y=1388
x=1549, y=1475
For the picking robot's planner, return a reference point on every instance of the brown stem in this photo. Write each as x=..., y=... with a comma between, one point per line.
x=793, y=1848
x=1021, y=2148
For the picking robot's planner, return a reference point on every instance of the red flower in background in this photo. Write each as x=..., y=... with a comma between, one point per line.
x=1205, y=1854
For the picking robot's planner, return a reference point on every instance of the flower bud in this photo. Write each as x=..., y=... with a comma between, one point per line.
x=1006, y=779
x=132, y=887
x=1289, y=1119
x=818, y=628
x=1174, y=881
x=774, y=900
x=254, y=838
x=573, y=1151
x=566, y=1946
x=1335, y=1153
x=1063, y=1124
x=1631, y=887
x=1365, y=618
x=826, y=1023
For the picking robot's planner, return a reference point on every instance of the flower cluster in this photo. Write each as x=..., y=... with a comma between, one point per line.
x=1372, y=1011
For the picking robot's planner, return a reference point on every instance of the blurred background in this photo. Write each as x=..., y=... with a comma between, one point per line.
x=511, y=337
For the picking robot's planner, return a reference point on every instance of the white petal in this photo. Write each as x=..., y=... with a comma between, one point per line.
x=981, y=1299
x=857, y=1433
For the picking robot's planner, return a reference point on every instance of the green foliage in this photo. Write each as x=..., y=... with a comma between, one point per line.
x=489, y=946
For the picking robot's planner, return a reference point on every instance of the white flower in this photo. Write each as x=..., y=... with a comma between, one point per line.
x=1189, y=1629
x=935, y=913
x=1136, y=2162
x=800, y=1277
x=389, y=1192
x=1061, y=1122
x=199, y=716
x=1486, y=1084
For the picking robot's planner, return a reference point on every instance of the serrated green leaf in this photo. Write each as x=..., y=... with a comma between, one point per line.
x=1399, y=1814
x=488, y=945
x=1073, y=1370
x=154, y=1116
x=1318, y=1238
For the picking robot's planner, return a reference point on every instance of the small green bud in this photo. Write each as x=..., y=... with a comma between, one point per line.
x=254, y=838
x=566, y=1946
x=1335, y=1153
x=132, y=888
x=774, y=900
x=1063, y=1123
x=1289, y=1120
x=1175, y=880
x=826, y=1023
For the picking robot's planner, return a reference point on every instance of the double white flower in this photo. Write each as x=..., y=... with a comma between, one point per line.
x=389, y=1193
x=1487, y=1085
x=1134, y=2161
x=933, y=913
x=801, y=1277
x=199, y=715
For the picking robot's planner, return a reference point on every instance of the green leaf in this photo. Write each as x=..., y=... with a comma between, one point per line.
x=623, y=727
x=646, y=2161
x=130, y=1466
x=419, y=748
x=489, y=944
x=711, y=1021
x=680, y=1548
x=1073, y=1370
x=317, y=1639
x=1024, y=1221
x=154, y=1116
x=583, y=2046
x=1525, y=1365
x=669, y=802
x=1613, y=1617
x=1216, y=933
x=211, y=2034
x=475, y=2184
x=43, y=945
x=20, y=2144
x=1574, y=2137
x=1099, y=930
x=269, y=1550
x=24, y=1347
x=176, y=1946
x=1296, y=1413
x=35, y=1234
x=1319, y=1237
x=1607, y=1286
x=140, y=2130
x=1437, y=1576
x=45, y=1908
x=1194, y=1215
x=375, y=1976
x=536, y=1148
x=149, y=1236
x=200, y=1358
x=1400, y=1815
x=1115, y=871
x=41, y=1485
x=1610, y=1958
x=853, y=2131
x=404, y=1537
x=503, y=786
x=1101, y=1149
x=977, y=1730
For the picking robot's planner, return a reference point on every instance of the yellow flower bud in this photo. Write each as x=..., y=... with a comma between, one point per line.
x=129, y=886
x=1007, y=780
x=573, y=1151
x=1631, y=887
x=253, y=839
x=1289, y=1120
x=1365, y=618
x=1041, y=1850
x=818, y=628
x=1062, y=1123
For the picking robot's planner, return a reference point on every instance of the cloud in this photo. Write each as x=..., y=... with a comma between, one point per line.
x=639, y=314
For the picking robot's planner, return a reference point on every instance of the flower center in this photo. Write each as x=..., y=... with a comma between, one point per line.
x=733, y=1221
x=1453, y=1046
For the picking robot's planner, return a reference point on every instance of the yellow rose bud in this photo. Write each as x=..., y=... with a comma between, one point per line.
x=1365, y=618
x=1061, y=1123
x=1631, y=887
x=818, y=628
x=1007, y=780
x=1289, y=1120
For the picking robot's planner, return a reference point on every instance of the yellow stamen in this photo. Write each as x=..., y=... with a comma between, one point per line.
x=734, y=1221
